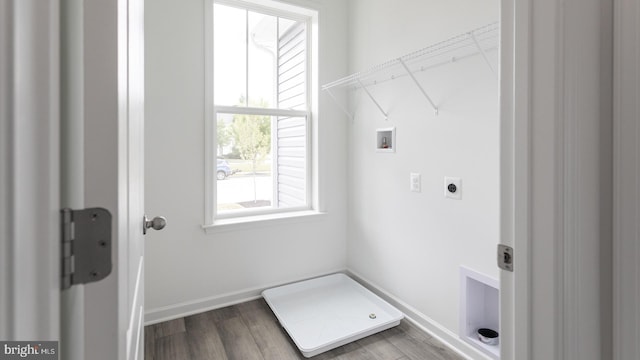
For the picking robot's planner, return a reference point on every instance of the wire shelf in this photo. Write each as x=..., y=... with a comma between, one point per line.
x=472, y=43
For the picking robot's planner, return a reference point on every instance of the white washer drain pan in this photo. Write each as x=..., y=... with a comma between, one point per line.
x=327, y=312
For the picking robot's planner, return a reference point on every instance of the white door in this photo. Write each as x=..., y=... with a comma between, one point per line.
x=133, y=253
x=103, y=121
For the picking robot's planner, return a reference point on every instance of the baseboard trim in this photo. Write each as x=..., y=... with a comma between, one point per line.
x=422, y=321
x=176, y=311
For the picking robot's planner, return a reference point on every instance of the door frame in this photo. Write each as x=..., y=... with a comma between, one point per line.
x=626, y=212
x=515, y=27
x=72, y=308
x=29, y=171
x=555, y=185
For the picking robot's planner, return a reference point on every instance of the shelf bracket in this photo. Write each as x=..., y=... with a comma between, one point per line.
x=372, y=99
x=404, y=65
x=344, y=109
x=482, y=52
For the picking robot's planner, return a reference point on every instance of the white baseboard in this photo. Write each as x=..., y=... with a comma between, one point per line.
x=176, y=311
x=422, y=321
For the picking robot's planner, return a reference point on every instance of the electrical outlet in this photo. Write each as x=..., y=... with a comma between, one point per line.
x=414, y=182
x=453, y=188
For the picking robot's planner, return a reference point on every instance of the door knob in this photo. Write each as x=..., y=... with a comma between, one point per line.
x=158, y=223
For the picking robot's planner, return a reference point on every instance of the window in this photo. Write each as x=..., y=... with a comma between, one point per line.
x=260, y=119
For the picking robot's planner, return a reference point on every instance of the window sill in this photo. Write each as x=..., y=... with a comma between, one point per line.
x=259, y=221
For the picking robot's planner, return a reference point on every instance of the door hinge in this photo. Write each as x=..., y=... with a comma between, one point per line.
x=505, y=257
x=86, y=246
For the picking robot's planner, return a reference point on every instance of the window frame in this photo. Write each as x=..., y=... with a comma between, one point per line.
x=289, y=11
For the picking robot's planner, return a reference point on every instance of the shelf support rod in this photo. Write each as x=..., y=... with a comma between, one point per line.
x=372, y=98
x=484, y=54
x=404, y=65
x=344, y=109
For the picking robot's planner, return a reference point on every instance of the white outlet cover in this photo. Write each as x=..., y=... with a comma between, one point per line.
x=453, y=188
x=415, y=182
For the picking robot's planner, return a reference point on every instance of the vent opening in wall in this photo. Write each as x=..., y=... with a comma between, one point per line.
x=386, y=140
x=480, y=311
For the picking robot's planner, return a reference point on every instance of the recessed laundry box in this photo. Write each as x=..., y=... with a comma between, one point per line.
x=327, y=312
x=480, y=311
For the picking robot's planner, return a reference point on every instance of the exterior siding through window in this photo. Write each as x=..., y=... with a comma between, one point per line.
x=292, y=131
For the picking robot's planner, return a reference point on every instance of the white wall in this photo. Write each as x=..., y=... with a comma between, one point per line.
x=187, y=269
x=412, y=244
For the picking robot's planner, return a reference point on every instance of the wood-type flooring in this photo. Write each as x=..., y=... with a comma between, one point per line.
x=250, y=331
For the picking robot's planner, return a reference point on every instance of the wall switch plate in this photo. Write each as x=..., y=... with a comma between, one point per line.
x=415, y=183
x=453, y=188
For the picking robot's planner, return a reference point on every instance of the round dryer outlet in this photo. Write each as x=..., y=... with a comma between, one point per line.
x=453, y=188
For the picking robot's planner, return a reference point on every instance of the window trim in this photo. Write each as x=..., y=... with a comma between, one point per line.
x=310, y=16
x=262, y=221
x=290, y=11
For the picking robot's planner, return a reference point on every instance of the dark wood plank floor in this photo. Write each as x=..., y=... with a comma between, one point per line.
x=250, y=331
